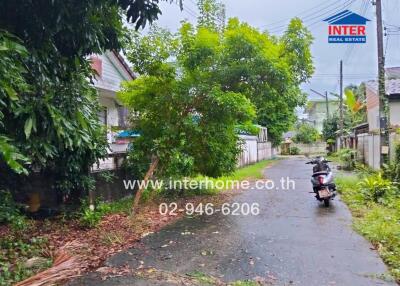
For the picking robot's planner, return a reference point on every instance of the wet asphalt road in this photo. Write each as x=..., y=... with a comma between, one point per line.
x=294, y=240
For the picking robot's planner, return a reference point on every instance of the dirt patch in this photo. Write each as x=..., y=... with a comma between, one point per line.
x=115, y=233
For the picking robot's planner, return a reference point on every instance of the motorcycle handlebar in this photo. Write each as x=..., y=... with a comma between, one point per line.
x=315, y=162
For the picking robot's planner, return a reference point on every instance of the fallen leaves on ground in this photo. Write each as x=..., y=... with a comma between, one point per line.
x=87, y=249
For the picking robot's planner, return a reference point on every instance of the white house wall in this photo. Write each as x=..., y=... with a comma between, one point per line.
x=112, y=74
x=112, y=111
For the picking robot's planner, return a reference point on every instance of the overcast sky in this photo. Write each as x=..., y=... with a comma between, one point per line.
x=360, y=60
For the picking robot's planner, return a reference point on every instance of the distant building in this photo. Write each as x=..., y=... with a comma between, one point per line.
x=112, y=70
x=393, y=93
x=316, y=111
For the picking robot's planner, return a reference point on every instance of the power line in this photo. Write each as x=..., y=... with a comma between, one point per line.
x=312, y=16
x=350, y=48
x=345, y=5
x=189, y=11
x=303, y=12
x=318, y=16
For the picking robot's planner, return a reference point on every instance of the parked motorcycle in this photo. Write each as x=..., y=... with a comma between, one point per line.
x=322, y=180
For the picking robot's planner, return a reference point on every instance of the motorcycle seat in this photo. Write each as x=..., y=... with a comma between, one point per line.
x=320, y=173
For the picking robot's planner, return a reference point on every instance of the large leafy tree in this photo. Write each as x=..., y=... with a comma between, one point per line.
x=198, y=84
x=306, y=134
x=48, y=106
x=268, y=70
x=187, y=122
x=354, y=112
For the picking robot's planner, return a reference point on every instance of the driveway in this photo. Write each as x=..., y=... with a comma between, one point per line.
x=294, y=240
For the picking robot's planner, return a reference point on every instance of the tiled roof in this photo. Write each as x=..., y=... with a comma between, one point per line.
x=392, y=86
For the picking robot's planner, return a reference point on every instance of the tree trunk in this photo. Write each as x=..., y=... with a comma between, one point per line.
x=141, y=189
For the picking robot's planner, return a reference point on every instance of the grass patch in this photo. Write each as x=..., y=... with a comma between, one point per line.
x=252, y=172
x=379, y=223
x=15, y=250
x=123, y=205
x=91, y=218
x=202, y=278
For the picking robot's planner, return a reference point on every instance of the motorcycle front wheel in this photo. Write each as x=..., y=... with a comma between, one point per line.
x=327, y=202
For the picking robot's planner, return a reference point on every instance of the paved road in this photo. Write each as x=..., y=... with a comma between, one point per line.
x=293, y=241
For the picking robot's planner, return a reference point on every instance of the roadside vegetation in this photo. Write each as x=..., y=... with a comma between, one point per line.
x=29, y=246
x=306, y=134
x=196, y=89
x=374, y=199
x=201, y=108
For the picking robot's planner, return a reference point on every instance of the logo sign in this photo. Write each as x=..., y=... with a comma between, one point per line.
x=347, y=27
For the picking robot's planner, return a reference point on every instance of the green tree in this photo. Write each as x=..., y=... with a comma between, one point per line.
x=48, y=106
x=186, y=121
x=212, y=14
x=355, y=107
x=197, y=85
x=12, y=83
x=330, y=128
x=306, y=134
x=268, y=70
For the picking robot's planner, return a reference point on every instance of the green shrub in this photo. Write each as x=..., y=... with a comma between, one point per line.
x=294, y=151
x=377, y=189
x=391, y=171
x=375, y=206
x=90, y=217
x=306, y=134
x=10, y=213
x=380, y=225
x=14, y=251
x=347, y=158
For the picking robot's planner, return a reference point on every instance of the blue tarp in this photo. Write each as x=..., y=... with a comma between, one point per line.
x=128, y=134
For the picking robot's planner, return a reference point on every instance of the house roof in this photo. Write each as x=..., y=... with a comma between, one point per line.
x=347, y=18
x=289, y=134
x=393, y=72
x=392, y=86
x=124, y=64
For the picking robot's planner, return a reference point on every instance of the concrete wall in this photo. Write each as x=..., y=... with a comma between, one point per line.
x=264, y=151
x=368, y=150
x=254, y=151
x=373, y=118
x=394, y=108
x=362, y=148
x=313, y=148
x=249, y=150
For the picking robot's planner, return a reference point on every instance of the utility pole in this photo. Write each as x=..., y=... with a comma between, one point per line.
x=327, y=105
x=341, y=105
x=383, y=112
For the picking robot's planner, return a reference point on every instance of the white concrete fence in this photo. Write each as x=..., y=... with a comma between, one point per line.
x=368, y=148
x=254, y=151
x=312, y=148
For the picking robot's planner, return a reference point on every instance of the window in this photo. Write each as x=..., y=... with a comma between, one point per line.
x=103, y=115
